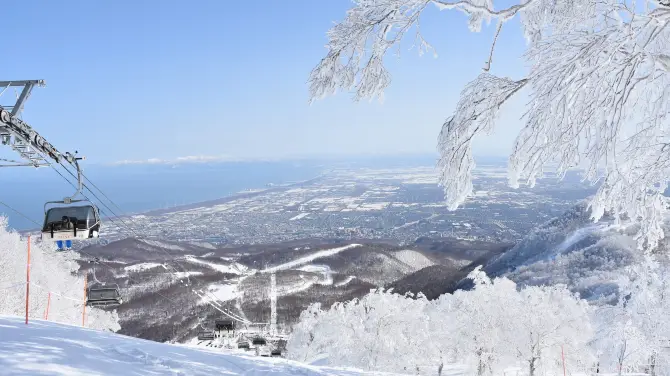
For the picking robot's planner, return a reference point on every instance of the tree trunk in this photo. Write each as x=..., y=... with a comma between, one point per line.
x=531, y=366
x=652, y=365
x=480, y=366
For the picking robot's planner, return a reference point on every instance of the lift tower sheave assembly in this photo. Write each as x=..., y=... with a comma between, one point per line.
x=20, y=136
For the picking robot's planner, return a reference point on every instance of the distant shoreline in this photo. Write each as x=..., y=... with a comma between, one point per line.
x=223, y=200
x=218, y=201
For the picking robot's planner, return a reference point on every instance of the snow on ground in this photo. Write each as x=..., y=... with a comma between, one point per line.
x=48, y=348
x=233, y=268
x=223, y=292
x=299, y=216
x=414, y=258
x=303, y=284
x=185, y=274
x=142, y=266
x=325, y=270
x=346, y=281
x=373, y=206
x=309, y=258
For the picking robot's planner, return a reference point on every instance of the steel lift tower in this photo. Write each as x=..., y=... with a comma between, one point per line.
x=20, y=136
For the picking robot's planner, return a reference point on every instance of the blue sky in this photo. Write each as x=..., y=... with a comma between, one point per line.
x=134, y=80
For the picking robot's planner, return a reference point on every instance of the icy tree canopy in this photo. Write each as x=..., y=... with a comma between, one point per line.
x=599, y=94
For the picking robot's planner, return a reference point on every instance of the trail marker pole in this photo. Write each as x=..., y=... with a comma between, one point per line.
x=27, y=279
x=46, y=313
x=83, y=312
x=563, y=357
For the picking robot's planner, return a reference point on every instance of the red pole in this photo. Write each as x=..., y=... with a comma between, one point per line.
x=46, y=313
x=83, y=313
x=563, y=356
x=27, y=279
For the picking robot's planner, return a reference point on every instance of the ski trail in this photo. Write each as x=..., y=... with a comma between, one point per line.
x=309, y=258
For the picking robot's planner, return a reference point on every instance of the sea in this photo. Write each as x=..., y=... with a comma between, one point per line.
x=137, y=188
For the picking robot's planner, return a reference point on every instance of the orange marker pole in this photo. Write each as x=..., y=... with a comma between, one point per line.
x=46, y=313
x=83, y=313
x=27, y=279
x=563, y=357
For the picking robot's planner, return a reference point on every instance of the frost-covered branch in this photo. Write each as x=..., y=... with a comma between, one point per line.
x=598, y=82
x=475, y=113
x=357, y=45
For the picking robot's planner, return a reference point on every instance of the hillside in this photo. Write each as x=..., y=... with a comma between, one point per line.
x=48, y=348
x=169, y=287
x=569, y=249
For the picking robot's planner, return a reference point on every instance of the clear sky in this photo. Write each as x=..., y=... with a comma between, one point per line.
x=135, y=80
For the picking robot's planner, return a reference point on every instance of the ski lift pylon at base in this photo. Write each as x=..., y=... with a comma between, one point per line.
x=73, y=219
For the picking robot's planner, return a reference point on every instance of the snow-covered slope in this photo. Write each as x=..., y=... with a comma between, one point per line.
x=572, y=250
x=168, y=291
x=48, y=348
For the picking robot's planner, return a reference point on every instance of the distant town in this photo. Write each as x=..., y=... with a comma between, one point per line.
x=399, y=204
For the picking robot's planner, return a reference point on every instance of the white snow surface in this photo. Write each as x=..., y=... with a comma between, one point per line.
x=180, y=275
x=309, y=258
x=233, y=268
x=222, y=292
x=414, y=258
x=324, y=270
x=48, y=348
x=142, y=266
x=299, y=216
x=346, y=281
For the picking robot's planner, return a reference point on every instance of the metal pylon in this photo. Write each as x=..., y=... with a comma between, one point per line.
x=19, y=135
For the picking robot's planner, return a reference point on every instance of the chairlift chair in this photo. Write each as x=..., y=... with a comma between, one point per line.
x=224, y=324
x=103, y=296
x=258, y=341
x=72, y=220
x=66, y=223
x=243, y=345
x=206, y=336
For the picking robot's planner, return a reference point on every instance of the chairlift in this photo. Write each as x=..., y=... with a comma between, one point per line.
x=103, y=296
x=71, y=220
x=224, y=324
x=258, y=341
x=243, y=345
x=206, y=336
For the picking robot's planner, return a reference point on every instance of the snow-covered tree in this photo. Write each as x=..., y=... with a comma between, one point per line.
x=50, y=271
x=619, y=342
x=483, y=323
x=487, y=329
x=367, y=332
x=552, y=321
x=598, y=85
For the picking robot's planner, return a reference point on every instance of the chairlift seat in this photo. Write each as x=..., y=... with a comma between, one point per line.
x=258, y=341
x=103, y=296
x=71, y=222
x=206, y=336
x=224, y=325
x=243, y=345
